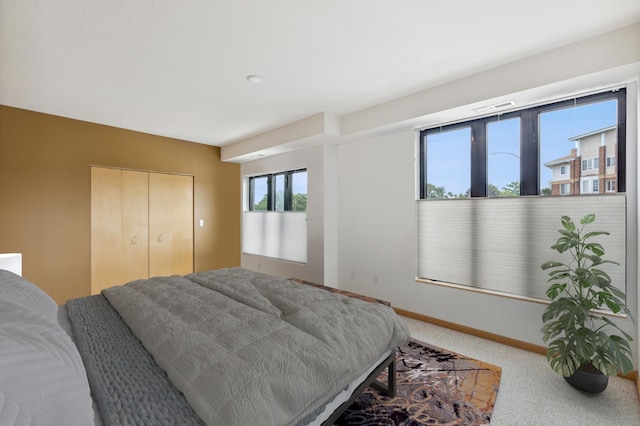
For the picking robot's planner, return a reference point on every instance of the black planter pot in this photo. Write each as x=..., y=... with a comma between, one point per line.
x=589, y=379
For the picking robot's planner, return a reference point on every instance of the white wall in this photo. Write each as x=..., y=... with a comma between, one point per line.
x=321, y=214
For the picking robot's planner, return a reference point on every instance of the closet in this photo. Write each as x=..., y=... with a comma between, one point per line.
x=141, y=225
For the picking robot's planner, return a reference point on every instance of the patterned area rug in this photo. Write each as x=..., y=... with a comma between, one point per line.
x=434, y=387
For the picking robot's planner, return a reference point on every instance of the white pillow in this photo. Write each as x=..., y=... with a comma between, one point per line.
x=16, y=289
x=42, y=378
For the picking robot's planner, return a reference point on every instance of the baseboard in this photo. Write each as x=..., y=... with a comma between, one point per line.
x=475, y=332
x=634, y=375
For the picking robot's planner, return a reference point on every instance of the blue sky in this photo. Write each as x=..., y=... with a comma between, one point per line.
x=448, y=153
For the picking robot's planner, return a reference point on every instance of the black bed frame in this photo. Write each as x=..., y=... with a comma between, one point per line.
x=388, y=389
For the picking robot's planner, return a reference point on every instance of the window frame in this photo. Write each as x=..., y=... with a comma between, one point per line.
x=271, y=190
x=529, y=143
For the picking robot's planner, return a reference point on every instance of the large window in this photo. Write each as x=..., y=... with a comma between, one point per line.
x=493, y=191
x=528, y=152
x=275, y=223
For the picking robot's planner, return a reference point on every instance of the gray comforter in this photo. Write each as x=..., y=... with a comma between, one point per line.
x=258, y=350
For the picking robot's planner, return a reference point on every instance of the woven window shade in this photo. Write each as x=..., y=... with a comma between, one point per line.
x=499, y=243
x=280, y=235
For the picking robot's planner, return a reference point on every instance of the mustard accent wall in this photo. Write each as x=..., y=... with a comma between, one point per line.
x=45, y=194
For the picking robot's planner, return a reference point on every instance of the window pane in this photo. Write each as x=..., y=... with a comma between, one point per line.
x=299, y=189
x=449, y=164
x=577, y=137
x=503, y=159
x=279, y=195
x=260, y=189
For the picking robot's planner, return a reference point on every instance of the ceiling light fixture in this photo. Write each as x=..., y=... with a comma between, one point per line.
x=255, y=79
x=494, y=107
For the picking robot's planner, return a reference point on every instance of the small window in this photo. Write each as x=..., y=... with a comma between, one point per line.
x=259, y=193
x=611, y=186
x=591, y=164
x=279, y=191
x=503, y=160
x=563, y=170
x=565, y=189
x=448, y=165
x=590, y=185
x=299, y=191
x=611, y=161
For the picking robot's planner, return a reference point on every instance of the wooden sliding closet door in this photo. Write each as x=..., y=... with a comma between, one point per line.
x=141, y=226
x=170, y=224
x=135, y=225
x=119, y=223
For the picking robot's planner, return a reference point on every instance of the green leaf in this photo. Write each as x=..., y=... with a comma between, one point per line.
x=567, y=223
x=561, y=358
x=594, y=234
x=613, y=306
x=551, y=264
x=587, y=219
x=616, y=292
x=551, y=330
x=612, y=355
x=585, y=342
x=555, y=289
x=595, y=248
x=614, y=325
x=620, y=351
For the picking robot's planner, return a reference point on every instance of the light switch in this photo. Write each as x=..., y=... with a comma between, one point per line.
x=201, y=223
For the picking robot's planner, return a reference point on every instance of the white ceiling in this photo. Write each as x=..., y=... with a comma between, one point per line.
x=179, y=68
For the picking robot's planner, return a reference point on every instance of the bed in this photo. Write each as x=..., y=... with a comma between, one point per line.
x=222, y=347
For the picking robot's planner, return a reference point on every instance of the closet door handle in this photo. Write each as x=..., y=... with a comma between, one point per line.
x=134, y=239
x=160, y=238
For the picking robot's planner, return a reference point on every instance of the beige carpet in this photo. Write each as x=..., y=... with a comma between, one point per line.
x=530, y=392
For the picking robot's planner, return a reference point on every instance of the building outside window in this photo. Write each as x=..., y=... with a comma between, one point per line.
x=601, y=142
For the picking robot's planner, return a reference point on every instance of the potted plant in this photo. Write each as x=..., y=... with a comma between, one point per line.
x=579, y=344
